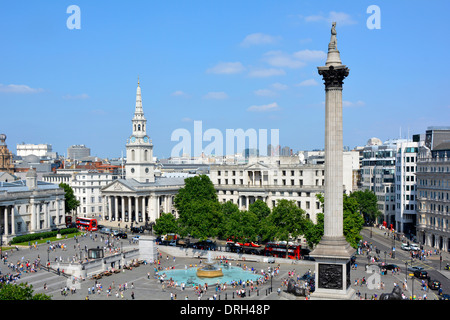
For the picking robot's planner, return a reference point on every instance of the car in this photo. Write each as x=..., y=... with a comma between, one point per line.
x=414, y=247
x=421, y=274
x=308, y=257
x=434, y=284
x=137, y=229
x=414, y=268
x=105, y=230
x=122, y=235
x=390, y=267
x=444, y=297
x=405, y=247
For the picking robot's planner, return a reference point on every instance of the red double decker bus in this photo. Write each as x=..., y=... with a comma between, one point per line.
x=279, y=250
x=87, y=224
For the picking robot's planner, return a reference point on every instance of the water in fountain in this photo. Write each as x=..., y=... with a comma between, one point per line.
x=210, y=270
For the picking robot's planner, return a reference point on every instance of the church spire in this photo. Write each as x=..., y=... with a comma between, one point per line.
x=139, y=110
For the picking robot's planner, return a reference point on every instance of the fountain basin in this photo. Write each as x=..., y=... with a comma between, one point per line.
x=209, y=273
x=189, y=276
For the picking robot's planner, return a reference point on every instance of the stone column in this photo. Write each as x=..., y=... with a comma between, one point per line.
x=130, y=209
x=143, y=208
x=136, y=208
x=46, y=222
x=5, y=222
x=333, y=252
x=122, y=205
x=33, y=216
x=116, y=208
x=13, y=222
x=109, y=207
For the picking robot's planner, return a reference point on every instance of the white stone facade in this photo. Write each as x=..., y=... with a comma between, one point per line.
x=271, y=179
x=30, y=206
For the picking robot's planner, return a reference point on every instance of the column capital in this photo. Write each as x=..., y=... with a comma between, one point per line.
x=333, y=76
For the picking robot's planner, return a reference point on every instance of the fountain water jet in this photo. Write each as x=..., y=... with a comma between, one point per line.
x=210, y=270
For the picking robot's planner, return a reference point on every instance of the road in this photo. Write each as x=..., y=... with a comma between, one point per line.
x=432, y=264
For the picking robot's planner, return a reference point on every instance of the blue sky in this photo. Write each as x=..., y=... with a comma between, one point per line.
x=230, y=64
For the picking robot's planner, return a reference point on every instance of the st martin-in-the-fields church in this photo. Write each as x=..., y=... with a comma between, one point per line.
x=142, y=196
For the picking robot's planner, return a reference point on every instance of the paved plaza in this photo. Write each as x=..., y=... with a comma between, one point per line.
x=141, y=282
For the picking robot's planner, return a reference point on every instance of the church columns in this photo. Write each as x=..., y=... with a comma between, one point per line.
x=33, y=216
x=5, y=222
x=116, y=208
x=144, y=215
x=13, y=222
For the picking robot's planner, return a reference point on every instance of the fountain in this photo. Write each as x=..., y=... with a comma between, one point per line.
x=210, y=270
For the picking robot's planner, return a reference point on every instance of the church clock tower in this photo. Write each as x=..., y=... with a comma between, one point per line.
x=140, y=165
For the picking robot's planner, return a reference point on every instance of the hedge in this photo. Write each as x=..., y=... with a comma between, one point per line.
x=43, y=235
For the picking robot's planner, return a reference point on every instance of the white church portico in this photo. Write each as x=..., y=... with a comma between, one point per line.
x=142, y=196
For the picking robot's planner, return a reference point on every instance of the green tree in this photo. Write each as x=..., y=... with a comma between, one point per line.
x=286, y=221
x=240, y=225
x=200, y=213
x=195, y=188
x=261, y=210
x=166, y=223
x=20, y=291
x=314, y=231
x=71, y=203
x=367, y=204
x=352, y=223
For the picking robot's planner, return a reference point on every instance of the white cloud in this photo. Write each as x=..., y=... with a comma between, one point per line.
x=307, y=83
x=258, y=39
x=310, y=55
x=263, y=108
x=341, y=18
x=187, y=119
x=216, y=95
x=264, y=93
x=76, y=97
x=178, y=93
x=263, y=73
x=226, y=68
x=18, y=88
x=279, y=86
x=358, y=103
x=280, y=59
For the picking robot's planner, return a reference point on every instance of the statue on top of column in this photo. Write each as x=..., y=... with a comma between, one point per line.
x=333, y=41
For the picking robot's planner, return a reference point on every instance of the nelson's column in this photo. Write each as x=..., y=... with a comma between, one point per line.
x=333, y=253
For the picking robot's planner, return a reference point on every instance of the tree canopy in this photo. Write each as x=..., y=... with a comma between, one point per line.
x=20, y=291
x=71, y=202
x=367, y=204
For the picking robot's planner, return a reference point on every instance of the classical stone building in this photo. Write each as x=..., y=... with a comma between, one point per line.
x=433, y=190
x=143, y=195
x=273, y=178
x=30, y=206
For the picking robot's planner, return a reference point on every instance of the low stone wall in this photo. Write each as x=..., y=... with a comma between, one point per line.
x=197, y=253
x=95, y=266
